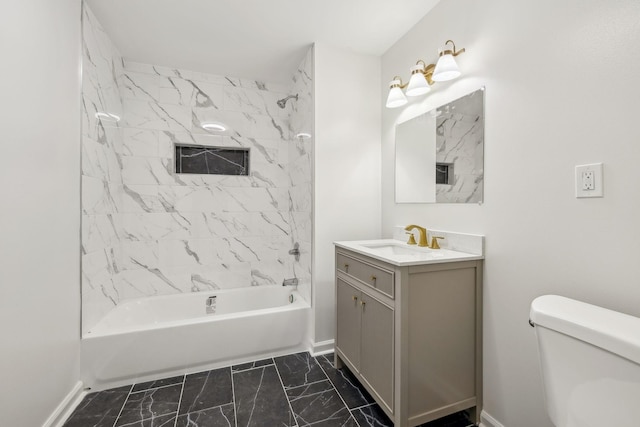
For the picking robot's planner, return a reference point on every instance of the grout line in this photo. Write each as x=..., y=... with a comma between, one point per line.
x=156, y=388
x=184, y=380
x=286, y=396
x=308, y=384
x=336, y=390
x=233, y=398
x=364, y=406
x=122, y=407
x=251, y=369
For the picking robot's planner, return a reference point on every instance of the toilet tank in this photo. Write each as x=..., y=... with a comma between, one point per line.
x=590, y=362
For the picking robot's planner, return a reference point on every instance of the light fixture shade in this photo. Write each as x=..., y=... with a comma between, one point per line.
x=396, y=98
x=446, y=69
x=418, y=83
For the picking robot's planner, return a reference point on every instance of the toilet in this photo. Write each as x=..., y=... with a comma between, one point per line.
x=590, y=362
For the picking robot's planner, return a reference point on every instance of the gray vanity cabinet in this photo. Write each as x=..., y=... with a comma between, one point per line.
x=366, y=338
x=411, y=335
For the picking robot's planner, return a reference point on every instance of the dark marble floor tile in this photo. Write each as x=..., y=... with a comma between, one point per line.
x=260, y=399
x=157, y=383
x=371, y=416
x=298, y=369
x=318, y=404
x=206, y=390
x=150, y=404
x=168, y=420
x=459, y=419
x=251, y=365
x=348, y=386
x=222, y=416
x=99, y=409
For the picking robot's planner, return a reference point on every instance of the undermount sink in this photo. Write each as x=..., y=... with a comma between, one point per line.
x=394, y=249
x=399, y=253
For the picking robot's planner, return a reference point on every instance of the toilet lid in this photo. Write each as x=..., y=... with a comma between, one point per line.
x=616, y=332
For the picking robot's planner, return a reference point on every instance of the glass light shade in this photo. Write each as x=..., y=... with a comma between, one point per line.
x=417, y=84
x=396, y=98
x=446, y=69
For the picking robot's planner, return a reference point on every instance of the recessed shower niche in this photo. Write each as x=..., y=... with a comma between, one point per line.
x=211, y=160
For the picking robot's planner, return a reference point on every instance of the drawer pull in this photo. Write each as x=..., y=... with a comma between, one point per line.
x=373, y=279
x=346, y=268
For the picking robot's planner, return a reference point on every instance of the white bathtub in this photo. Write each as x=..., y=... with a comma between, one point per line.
x=156, y=337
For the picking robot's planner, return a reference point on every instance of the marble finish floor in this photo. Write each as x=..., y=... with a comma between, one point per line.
x=294, y=390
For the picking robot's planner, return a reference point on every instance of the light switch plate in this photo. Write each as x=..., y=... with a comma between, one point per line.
x=589, y=180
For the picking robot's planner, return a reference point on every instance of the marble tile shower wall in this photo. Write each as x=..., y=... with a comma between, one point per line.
x=102, y=141
x=171, y=233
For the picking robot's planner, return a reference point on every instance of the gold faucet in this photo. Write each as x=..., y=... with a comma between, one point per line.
x=423, y=235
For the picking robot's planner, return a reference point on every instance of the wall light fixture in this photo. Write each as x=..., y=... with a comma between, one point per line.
x=423, y=76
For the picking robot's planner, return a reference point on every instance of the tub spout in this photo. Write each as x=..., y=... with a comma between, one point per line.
x=290, y=282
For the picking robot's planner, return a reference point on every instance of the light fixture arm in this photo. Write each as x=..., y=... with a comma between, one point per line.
x=401, y=85
x=453, y=52
x=427, y=71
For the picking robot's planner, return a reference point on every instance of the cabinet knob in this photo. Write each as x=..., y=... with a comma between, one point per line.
x=355, y=298
x=373, y=279
x=362, y=303
x=346, y=268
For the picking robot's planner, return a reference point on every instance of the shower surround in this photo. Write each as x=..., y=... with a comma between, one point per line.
x=147, y=231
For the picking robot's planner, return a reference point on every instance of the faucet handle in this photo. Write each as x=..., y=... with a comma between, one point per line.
x=412, y=239
x=434, y=242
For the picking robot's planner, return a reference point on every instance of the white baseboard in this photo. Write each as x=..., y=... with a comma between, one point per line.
x=322, y=347
x=66, y=407
x=487, y=420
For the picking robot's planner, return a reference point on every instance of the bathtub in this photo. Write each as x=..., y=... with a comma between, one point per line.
x=156, y=337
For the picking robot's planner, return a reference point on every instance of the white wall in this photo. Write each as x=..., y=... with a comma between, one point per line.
x=561, y=90
x=346, y=166
x=40, y=215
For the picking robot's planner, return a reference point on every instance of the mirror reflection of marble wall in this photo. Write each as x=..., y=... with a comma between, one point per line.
x=440, y=154
x=460, y=143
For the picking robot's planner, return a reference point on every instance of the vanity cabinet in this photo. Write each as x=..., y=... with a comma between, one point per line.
x=367, y=338
x=411, y=334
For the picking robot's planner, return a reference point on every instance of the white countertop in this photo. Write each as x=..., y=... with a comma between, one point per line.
x=401, y=254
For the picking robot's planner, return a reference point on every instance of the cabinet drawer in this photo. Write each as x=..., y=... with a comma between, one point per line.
x=368, y=274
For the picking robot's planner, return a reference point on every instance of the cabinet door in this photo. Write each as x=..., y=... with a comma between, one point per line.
x=348, y=313
x=376, y=358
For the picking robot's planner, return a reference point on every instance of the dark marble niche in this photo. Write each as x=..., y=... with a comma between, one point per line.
x=444, y=173
x=196, y=159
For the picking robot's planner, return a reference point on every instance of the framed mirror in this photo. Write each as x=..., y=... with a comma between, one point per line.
x=440, y=154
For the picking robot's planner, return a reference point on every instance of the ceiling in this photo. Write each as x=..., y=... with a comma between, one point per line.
x=255, y=39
